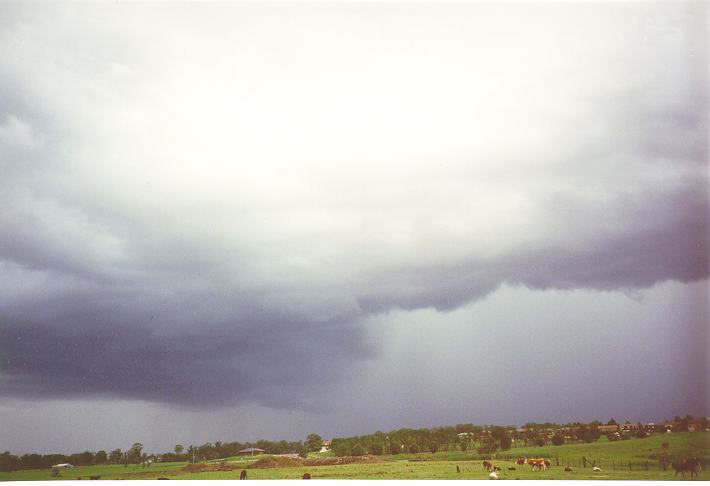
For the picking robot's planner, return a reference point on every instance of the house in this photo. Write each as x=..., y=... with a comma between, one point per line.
x=251, y=451
x=325, y=446
x=607, y=428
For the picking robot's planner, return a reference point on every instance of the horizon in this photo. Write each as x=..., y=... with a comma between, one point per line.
x=239, y=219
x=187, y=444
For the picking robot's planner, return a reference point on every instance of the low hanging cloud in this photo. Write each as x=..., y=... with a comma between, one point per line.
x=203, y=217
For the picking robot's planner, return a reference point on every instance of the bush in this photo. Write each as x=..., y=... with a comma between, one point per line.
x=641, y=434
x=558, y=439
x=433, y=447
x=464, y=446
x=303, y=453
x=357, y=450
x=413, y=449
x=395, y=448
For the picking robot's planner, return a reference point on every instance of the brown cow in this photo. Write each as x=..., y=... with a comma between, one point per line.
x=487, y=465
x=690, y=465
x=539, y=464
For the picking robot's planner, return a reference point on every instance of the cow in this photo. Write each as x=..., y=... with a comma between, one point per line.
x=568, y=469
x=596, y=469
x=493, y=475
x=520, y=461
x=690, y=465
x=511, y=468
x=487, y=465
x=458, y=469
x=306, y=475
x=539, y=464
x=243, y=474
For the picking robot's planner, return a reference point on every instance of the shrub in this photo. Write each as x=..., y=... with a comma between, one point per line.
x=395, y=448
x=357, y=450
x=413, y=449
x=433, y=447
x=641, y=434
x=558, y=439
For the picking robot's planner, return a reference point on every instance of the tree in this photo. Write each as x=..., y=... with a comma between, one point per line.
x=376, y=449
x=413, y=449
x=505, y=442
x=101, y=457
x=313, y=442
x=134, y=453
x=179, y=448
x=433, y=447
x=558, y=439
x=612, y=422
x=357, y=450
x=464, y=446
x=488, y=445
x=115, y=456
x=395, y=447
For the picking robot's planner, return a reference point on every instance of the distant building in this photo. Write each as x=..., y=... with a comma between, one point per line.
x=325, y=446
x=608, y=428
x=251, y=451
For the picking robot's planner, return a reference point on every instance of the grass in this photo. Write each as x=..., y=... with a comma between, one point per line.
x=613, y=456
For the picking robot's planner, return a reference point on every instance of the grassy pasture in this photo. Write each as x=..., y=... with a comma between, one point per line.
x=442, y=465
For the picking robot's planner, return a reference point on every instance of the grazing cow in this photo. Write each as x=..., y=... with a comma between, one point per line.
x=493, y=475
x=458, y=469
x=306, y=475
x=568, y=469
x=520, y=461
x=511, y=468
x=690, y=465
x=496, y=468
x=243, y=474
x=487, y=465
x=596, y=469
x=539, y=464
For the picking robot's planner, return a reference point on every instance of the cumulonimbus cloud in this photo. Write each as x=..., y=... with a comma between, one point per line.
x=180, y=229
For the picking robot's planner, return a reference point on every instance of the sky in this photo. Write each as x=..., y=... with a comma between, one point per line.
x=234, y=221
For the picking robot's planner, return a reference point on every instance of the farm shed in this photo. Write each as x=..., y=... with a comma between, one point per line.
x=251, y=451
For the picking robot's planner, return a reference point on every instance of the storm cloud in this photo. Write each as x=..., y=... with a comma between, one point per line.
x=203, y=204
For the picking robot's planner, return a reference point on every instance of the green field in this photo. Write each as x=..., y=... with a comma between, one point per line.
x=629, y=459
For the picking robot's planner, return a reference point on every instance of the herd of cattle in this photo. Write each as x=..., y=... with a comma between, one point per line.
x=690, y=465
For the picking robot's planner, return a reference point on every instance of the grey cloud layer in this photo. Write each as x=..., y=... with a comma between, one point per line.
x=157, y=245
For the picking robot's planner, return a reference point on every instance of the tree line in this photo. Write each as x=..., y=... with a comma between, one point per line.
x=483, y=439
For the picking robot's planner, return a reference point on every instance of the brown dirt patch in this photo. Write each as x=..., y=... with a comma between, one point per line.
x=196, y=468
x=334, y=461
x=276, y=461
